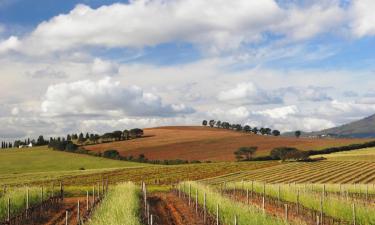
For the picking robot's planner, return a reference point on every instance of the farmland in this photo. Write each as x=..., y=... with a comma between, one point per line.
x=204, y=143
x=258, y=192
x=41, y=159
x=300, y=172
x=367, y=155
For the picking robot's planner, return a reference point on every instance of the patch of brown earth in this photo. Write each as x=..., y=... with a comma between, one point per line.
x=204, y=143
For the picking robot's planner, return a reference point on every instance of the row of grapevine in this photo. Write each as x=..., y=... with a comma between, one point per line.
x=333, y=206
x=317, y=172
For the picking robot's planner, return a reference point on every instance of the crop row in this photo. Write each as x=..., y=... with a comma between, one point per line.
x=120, y=206
x=332, y=206
x=317, y=172
x=225, y=209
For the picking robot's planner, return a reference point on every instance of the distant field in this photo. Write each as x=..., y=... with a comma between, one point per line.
x=41, y=159
x=367, y=154
x=203, y=143
x=310, y=172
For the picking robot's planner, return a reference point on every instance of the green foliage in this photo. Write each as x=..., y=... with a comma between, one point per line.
x=245, y=153
x=228, y=209
x=112, y=154
x=336, y=207
x=119, y=207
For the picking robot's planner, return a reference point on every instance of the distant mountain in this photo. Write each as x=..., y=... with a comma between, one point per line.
x=364, y=128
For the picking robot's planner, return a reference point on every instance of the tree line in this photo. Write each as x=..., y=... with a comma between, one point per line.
x=239, y=127
x=294, y=154
x=79, y=139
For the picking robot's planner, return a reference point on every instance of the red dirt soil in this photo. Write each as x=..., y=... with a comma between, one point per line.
x=204, y=143
x=57, y=216
x=168, y=209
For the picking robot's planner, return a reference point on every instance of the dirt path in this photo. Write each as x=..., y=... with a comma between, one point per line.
x=168, y=209
x=56, y=215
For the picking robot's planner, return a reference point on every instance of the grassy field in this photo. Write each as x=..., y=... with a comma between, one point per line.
x=42, y=159
x=203, y=143
x=317, y=172
x=41, y=165
x=367, y=155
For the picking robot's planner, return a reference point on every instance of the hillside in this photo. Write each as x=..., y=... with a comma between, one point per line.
x=364, y=128
x=204, y=143
x=41, y=159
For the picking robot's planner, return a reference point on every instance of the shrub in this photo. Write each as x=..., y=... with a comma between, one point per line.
x=112, y=154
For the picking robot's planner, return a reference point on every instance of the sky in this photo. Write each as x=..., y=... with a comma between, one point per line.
x=97, y=66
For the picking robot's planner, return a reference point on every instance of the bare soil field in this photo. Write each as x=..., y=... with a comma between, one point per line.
x=168, y=209
x=205, y=143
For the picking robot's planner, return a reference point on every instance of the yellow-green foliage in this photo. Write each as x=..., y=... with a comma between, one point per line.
x=333, y=206
x=367, y=155
x=120, y=207
x=17, y=198
x=228, y=209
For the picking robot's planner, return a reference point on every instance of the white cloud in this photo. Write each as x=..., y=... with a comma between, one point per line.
x=214, y=25
x=11, y=44
x=348, y=110
x=105, y=97
x=102, y=67
x=280, y=112
x=310, y=93
x=363, y=18
x=249, y=93
x=305, y=22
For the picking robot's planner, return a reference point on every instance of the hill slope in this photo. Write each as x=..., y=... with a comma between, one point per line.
x=204, y=143
x=364, y=128
x=41, y=159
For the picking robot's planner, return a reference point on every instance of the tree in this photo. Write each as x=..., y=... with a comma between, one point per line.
x=218, y=124
x=117, y=135
x=87, y=136
x=245, y=153
x=247, y=128
x=282, y=152
x=112, y=154
x=297, y=133
x=136, y=133
x=212, y=123
x=204, y=122
x=255, y=130
x=40, y=141
x=126, y=134
x=80, y=138
x=276, y=133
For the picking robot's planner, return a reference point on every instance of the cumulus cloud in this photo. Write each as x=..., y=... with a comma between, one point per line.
x=347, y=109
x=105, y=96
x=280, y=112
x=363, y=18
x=10, y=44
x=205, y=23
x=302, y=23
x=249, y=93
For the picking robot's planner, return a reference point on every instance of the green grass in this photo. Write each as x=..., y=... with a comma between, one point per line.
x=18, y=197
x=367, y=155
x=42, y=159
x=335, y=207
x=228, y=209
x=121, y=206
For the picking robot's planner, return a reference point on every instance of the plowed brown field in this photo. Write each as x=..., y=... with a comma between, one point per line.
x=204, y=143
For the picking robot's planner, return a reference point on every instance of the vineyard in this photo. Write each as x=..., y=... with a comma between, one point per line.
x=317, y=172
x=328, y=192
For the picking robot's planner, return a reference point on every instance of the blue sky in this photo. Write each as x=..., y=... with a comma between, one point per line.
x=288, y=64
